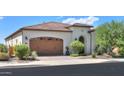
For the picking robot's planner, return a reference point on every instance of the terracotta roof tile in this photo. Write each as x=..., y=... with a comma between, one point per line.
x=81, y=25
x=50, y=26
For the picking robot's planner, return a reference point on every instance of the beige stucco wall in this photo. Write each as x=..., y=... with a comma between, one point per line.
x=14, y=40
x=93, y=41
x=89, y=41
x=66, y=36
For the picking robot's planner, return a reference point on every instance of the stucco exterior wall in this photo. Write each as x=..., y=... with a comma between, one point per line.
x=93, y=41
x=82, y=31
x=14, y=40
x=66, y=36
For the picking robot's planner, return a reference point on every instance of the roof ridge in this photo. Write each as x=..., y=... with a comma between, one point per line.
x=62, y=27
x=46, y=23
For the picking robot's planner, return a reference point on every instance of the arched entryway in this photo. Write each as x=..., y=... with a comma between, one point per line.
x=81, y=39
x=47, y=46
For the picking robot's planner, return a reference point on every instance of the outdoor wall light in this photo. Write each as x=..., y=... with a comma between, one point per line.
x=26, y=38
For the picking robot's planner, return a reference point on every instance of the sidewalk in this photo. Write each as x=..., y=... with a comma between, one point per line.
x=54, y=61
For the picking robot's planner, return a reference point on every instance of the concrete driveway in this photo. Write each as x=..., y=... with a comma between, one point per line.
x=56, y=61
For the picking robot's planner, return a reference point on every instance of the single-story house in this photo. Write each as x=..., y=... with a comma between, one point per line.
x=52, y=38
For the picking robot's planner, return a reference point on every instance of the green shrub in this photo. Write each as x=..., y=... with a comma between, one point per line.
x=74, y=55
x=4, y=56
x=121, y=51
x=94, y=55
x=34, y=55
x=22, y=51
x=76, y=46
x=100, y=50
x=3, y=48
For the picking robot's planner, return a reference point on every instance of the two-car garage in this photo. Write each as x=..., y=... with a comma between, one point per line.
x=47, y=46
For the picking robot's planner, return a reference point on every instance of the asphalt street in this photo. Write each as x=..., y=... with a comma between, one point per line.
x=98, y=69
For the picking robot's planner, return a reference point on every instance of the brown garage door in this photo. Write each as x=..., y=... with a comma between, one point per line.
x=47, y=46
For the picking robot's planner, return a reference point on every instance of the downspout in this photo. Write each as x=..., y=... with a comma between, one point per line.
x=90, y=32
x=22, y=37
x=91, y=42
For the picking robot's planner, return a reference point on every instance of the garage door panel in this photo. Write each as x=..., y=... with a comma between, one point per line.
x=47, y=46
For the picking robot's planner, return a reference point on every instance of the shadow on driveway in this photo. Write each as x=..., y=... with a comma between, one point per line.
x=99, y=69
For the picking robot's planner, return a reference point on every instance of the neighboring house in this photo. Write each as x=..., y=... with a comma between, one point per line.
x=52, y=38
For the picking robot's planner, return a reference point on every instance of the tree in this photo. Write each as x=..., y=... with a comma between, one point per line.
x=3, y=48
x=110, y=35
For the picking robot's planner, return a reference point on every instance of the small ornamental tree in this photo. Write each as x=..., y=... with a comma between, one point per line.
x=76, y=46
x=3, y=48
x=22, y=51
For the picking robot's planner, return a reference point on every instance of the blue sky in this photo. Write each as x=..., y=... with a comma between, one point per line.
x=9, y=24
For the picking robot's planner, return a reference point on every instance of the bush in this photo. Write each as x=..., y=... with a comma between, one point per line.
x=100, y=50
x=22, y=51
x=3, y=48
x=94, y=55
x=121, y=51
x=34, y=55
x=74, y=55
x=76, y=46
x=4, y=56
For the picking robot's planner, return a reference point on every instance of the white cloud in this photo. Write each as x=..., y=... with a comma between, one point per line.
x=1, y=17
x=89, y=20
x=59, y=17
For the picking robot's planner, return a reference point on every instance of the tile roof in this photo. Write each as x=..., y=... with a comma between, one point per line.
x=81, y=25
x=50, y=26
